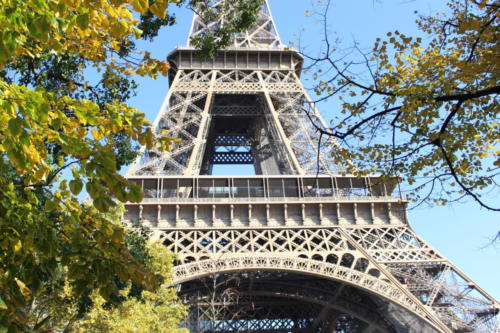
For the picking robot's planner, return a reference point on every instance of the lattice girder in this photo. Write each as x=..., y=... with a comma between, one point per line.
x=280, y=299
x=330, y=272
x=188, y=113
x=422, y=271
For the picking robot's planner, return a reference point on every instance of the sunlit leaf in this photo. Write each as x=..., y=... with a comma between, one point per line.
x=159, y=8
x=140, y=5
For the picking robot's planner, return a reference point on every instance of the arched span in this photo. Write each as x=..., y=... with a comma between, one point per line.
x=371, y=284
x=311, y=300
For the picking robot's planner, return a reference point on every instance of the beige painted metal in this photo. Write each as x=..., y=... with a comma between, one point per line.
x=390, y=290
x=196, y=155
x=283, y=136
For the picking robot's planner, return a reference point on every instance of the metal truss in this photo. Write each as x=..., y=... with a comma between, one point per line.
x=383, y=260
x=283, y=301
x=300, y=246
x=282, y=104
x=279, y=302
x=264, y=34
x=385, y=290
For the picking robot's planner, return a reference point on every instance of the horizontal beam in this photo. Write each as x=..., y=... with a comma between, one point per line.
x=248, y=59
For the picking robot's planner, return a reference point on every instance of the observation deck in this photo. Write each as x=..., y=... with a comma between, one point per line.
x=184, y=202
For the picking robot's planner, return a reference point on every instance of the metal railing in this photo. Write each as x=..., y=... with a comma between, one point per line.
x=265, y=188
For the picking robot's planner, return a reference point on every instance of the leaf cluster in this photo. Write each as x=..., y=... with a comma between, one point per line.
x=424, y=108
x=62, y=133
x=225, y=19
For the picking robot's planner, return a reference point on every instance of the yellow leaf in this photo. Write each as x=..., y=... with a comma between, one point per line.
x=96, y=134
x=159, y=8
x=140, y=5
x=41, y=172
x=17, y=246
x=71, y=3
x=24, y=290
x=164, y=66
x=119, y=29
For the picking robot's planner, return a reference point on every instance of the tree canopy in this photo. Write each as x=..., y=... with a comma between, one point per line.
x=139, y=311
x=61, y=132
x=425, y=108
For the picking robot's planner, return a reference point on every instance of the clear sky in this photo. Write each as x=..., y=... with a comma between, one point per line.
x=461, y=232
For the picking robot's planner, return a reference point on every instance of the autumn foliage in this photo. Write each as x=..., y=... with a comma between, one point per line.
x=424, y=108
x=61, y=134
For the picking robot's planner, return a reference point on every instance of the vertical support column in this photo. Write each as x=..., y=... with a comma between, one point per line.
x=389, y=213
x=231, y=216
x=337, y=211
x=202, y=131
x=372, y=212
x=303, y=212
x=320, y=211
x=163, y=110
x=158, y=218
x=285, y=215
x=281, y=132
x=249, y=214
x=355, y=212
x=213, y=215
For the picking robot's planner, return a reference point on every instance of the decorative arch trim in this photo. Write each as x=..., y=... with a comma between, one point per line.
x=371, y=284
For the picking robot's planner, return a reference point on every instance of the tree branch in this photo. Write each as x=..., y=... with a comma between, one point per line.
x=459, y=182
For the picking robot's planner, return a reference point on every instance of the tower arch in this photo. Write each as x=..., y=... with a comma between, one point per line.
x=315, y=300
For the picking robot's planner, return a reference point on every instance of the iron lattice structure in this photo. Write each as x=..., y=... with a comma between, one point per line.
x=300, y=246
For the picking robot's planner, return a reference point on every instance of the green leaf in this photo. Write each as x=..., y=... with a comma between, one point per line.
x=42, y=25
x=135, y=193
x=15, y=125
x=76, y=186
x=7, y=45
x=83, y=21
x=32, y=198
x=119, y=29
x=82, y=116
x=50, y=205
x=101, y=204
x=93, y=189
x=43, y=112
x=120, y=192
x=108, y=161
x=3, y=306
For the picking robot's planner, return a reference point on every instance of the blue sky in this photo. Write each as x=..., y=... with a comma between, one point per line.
x=461, y=232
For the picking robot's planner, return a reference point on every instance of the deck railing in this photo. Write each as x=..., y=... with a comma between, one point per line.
x=268, y=188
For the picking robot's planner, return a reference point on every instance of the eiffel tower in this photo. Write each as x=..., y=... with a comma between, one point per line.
x=299, y=246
